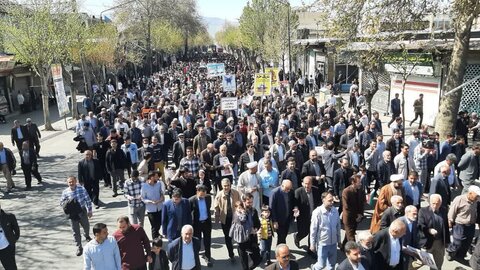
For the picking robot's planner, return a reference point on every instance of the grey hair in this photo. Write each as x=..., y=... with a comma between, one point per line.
x=396, y=198
x=364, y=235
x=187, y=228
x=451, y=157
x=280, y=246
x=225, y=181
x=433, y=196
x=409, y=208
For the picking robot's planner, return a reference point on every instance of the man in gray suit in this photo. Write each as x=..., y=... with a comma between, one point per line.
x=469, y=167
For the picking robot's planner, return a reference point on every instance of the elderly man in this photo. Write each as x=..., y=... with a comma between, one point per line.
x=393, y=212
x=450, y=161
x=34, y=135
x=281, y=204
x=19, y=134
x=387, y=247
x=440, y=185
x=365, y=241
x=225, y=201
x=307, y=198
x=469, y=167
x=462, y=217
x=325, y=233
x=89, y=175
x=434, y=234
x=282, y=254
x=29, y=165
x=250, y=182
x=184, y=251
x=383, y=201
x=314, y=168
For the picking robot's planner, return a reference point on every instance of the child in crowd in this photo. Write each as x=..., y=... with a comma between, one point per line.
x=265, y=234
x=159, y=256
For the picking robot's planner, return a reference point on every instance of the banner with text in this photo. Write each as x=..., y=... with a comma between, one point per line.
x=215, y=69
x=263, y=84
x=229, y=83
x=229, y=103
x=62, y=101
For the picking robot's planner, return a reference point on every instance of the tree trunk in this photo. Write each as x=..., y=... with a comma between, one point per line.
x=404, y=83
x=74, y=98
x=449, y=105
x=149, y=47
x=45, y=95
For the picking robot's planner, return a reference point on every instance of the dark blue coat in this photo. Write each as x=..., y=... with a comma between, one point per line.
x=169, y=218
x=280, y=212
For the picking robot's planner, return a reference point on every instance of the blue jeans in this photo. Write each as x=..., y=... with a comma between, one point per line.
x=327, y=257
x=265, y=247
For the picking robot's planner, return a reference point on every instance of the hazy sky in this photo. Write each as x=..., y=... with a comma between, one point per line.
x=224, y=9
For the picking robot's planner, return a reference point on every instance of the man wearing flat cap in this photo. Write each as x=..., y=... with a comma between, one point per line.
x=384, y=199
x=250, y=182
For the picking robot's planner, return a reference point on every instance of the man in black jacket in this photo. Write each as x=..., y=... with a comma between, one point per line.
x=307, y=198
x=383, y=246
x=29, y=165
x=433, y=229
x=440, y=186
x=116, y=163
x=34, y=135
x=89, y=174
x=314, y=168
x=385, y=169
x=10, y=233
x=200, y=205
x=251, y=226
x=176, y=255
x=19, y=134
x=341, y=179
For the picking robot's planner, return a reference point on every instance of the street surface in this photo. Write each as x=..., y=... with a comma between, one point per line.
x=46, y=241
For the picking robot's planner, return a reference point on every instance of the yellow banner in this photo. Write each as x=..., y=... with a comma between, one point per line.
x=275, y=77
x=263, y=84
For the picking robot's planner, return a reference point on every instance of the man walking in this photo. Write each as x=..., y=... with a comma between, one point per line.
x=325, y=233
x=418, y=109
x=353, y=202
x=282, y=203
x=152, y=195
x=184, y=251
x=116, y=163
x=200, y=205
x=29, y=165
x=76, y=203
x=102, y=252
x=89, y=175
x=175, y=213
x=469, y=167
x=133, y=193
x=9, y=234
x=433, y=229
x=19, y=134
x=395, y=108
x=225, y=201
x=34, y=135
x=133, y=244
x=7, y=164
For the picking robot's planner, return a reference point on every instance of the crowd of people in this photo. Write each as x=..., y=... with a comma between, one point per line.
x=278, y=164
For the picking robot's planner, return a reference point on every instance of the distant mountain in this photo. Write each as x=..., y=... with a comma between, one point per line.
x=215, y=24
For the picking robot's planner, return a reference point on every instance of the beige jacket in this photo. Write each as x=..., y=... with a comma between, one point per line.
x=221, y=204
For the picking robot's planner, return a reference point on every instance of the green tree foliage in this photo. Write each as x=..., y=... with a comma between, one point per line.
x=40, y=33
x=166, y=37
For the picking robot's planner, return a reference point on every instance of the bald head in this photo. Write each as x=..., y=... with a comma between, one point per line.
x=286, y=185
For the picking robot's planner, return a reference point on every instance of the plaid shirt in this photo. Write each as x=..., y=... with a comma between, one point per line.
x=134, y=189
x=193, y=165
x=420, y=158
x=80, y=194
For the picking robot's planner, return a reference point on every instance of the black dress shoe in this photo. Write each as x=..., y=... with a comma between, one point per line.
x=114, y=195
x=79, y=251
